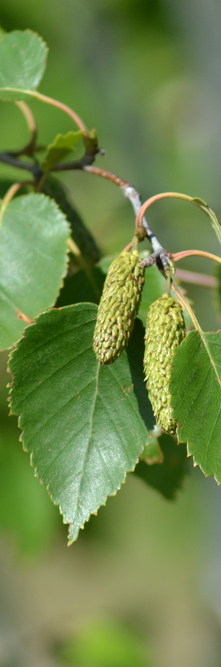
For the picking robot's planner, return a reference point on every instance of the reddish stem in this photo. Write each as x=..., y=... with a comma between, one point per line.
x=197, y=253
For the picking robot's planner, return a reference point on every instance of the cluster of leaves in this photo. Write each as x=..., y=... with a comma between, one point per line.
x=85, y=425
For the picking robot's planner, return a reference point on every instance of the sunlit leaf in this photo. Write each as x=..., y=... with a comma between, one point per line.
x=33, y=258
x=83, y=424
x=22, y=63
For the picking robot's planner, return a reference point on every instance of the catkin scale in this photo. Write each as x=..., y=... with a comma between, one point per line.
x=118, y=306
x=165, y=330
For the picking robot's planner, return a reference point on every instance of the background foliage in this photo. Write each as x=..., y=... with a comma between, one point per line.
x=147, y=78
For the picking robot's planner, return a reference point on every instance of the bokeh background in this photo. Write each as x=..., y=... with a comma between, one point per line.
x=142, y=586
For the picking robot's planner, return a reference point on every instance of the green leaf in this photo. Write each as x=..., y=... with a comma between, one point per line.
x=22, y=63
x=33, y=247
x=196, y=397
x=81, y=235
x=210, y=214
x=61, y=146
x=83, y=424
x=166, y=477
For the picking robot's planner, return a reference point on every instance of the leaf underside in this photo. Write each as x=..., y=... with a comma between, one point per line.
x=83, y=424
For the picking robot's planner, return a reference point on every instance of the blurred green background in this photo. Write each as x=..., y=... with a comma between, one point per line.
x=142, y=586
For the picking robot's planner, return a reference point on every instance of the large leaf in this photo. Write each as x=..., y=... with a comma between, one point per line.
x=61, y=146
x=166, y=476
x=33, y=247
x=83, y=424
x=196, y=396
x=22, y=64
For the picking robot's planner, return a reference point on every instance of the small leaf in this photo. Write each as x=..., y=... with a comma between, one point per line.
x=196, y=397
x=210, y=214
x=33, y=257
x=22, y=63
x=166, y=477
x=84, y=425
x=61, y=146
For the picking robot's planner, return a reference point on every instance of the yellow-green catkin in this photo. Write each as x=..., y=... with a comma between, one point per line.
x=118, y=306
x=165, y=330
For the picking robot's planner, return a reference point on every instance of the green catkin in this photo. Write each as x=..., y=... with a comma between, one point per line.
x=165, y=330
x=118, y=306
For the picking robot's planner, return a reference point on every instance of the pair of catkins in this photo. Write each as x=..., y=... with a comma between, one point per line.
x=165, y=330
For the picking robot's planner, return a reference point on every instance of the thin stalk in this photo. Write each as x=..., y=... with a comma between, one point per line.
x=195, y=253
x=63, y=107
x=155, y=198
x=32, y=126
x=187, y=307
x=8, y=158
x=131, y=193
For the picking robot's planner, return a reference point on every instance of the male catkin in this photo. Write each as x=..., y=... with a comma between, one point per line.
x=118, y=306
x=165, y=330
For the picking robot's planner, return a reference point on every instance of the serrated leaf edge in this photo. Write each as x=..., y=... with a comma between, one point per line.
x=30, y=32
x=22, y=438
x=180, y=440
